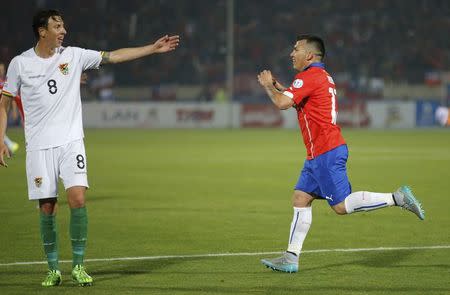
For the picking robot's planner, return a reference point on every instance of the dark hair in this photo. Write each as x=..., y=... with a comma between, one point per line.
x=316, y=41
x=40, y=19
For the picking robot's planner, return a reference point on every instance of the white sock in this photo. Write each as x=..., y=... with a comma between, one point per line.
x=301, y=222
x=367, y=201
x=8, y=142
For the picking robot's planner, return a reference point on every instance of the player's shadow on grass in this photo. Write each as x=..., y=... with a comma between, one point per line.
x=375, y=259
x=388, y=259
x=284, y=290
x=132, y=268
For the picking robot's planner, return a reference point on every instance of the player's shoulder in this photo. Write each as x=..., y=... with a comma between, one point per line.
x=21, y=58
x=73, y=50
x=24, y=55
x=319, y=74
x=311, y=74
x=325, y=76
x=66, y=50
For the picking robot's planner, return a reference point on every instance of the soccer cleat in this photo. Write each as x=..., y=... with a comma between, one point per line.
x=53, y=278
x=80, y=276
x=407, y=201
x=281, y=264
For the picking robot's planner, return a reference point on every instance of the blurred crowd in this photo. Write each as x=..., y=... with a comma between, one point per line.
x=369, y=42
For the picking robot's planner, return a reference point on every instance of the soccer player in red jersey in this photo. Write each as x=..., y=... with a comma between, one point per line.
x=12, y=145
x=324, y=174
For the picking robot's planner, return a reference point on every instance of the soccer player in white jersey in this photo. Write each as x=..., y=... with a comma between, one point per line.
x=48, y=79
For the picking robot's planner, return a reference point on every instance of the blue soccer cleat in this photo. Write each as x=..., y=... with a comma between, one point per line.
x=405, y=198
x=281, y=264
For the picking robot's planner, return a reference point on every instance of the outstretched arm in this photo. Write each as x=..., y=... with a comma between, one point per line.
x=279, y=99
x=5, y=101
x=164, y=44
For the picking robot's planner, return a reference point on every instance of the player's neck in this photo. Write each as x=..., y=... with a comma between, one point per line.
x=315, y=61
x=43, y=50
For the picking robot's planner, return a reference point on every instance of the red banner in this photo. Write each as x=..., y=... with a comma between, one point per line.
x=260, y=115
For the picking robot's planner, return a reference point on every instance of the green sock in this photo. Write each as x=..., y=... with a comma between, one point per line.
x=78, y=234
x=48, y=235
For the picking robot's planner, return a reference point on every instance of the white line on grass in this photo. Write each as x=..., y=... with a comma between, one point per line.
x=235, y=254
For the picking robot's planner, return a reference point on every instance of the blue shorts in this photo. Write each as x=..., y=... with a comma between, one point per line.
x=326, y=176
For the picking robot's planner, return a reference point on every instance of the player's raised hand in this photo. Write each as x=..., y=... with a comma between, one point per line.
x=265, y=78
x=166, y=43
x=4, y=152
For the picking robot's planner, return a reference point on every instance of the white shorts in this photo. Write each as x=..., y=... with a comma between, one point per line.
x=45, y=167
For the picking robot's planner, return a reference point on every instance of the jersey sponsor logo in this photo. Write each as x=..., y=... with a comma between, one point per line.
x=36, y=76
x=64, y=68
x=38, y=181
x=297, y=83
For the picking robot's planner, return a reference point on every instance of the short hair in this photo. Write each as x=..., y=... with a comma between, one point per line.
x=316, y=41
x=40, y=19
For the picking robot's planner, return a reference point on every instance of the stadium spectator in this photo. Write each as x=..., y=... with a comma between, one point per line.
x=396, y=41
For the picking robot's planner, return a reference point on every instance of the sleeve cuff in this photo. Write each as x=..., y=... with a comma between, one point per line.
x=6, y=93
x=289, y=94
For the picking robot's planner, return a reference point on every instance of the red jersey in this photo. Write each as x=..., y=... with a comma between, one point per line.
x=314, y=95
x=16, y=99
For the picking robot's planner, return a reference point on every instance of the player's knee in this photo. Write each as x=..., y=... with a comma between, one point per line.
x=301, y=199
x=76, y=201
x=75, y=197
x=340, y=208
x=47, y=206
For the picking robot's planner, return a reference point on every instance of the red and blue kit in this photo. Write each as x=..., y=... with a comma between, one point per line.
x=324, y=173
x=314, y=95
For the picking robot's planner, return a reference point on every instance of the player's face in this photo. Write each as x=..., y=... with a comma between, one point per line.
x=55, y=32
x=300, y=55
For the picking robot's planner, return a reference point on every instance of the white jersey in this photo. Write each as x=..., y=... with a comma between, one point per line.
x=50, y=93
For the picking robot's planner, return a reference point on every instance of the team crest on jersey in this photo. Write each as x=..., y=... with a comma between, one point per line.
x=64, y=68
x=297, y=83
x=38, y=181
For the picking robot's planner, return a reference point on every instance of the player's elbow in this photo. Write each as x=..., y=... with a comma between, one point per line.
x=112, y=57
x=284, y=104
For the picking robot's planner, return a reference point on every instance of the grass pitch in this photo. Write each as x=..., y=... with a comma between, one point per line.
x=188, y=192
